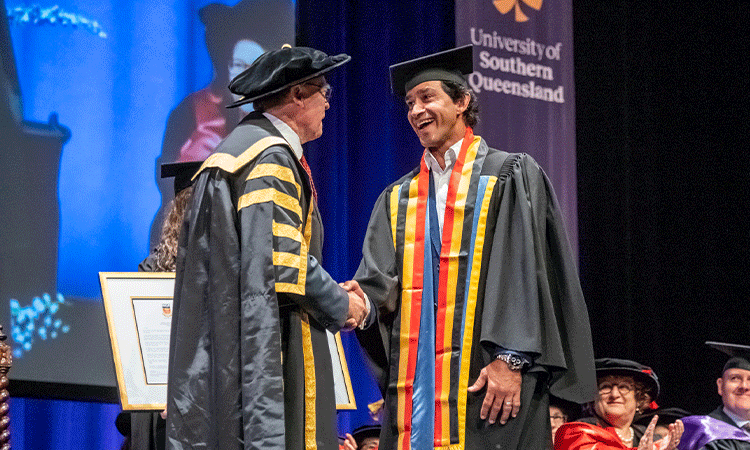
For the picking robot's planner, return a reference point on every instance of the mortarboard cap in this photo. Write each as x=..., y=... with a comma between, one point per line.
x=276, y=70
x=182, y=172
x=739, y=355
x=450, y=65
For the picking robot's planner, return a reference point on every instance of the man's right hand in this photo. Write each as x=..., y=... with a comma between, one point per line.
x=357, y=307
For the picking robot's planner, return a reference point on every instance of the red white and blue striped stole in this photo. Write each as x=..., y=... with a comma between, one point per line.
x=435, y=417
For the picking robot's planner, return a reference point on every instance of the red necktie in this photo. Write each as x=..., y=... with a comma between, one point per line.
x=309, y=175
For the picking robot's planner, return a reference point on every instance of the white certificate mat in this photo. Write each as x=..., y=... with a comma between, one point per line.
x=138, y=306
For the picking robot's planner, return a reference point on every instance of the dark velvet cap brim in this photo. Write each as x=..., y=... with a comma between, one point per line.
x=626, y=367
x=336, y=61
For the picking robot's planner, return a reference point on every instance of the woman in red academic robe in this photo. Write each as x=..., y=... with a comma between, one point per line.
x=624, y=388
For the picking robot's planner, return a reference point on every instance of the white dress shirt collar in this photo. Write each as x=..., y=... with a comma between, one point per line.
x=287, y=133
x=441, y=177
x=449, y=157
x=737, y=419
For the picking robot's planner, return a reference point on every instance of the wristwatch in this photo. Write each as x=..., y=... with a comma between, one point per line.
x=514, y=362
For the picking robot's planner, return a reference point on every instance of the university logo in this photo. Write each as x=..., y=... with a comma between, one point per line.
x=166, y=309
x=504, y=6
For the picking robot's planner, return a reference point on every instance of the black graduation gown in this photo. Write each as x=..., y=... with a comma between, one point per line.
x=249, y=362
x=512, y=283
x=725, y=444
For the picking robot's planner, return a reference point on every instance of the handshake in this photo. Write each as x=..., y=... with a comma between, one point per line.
x=359, y=306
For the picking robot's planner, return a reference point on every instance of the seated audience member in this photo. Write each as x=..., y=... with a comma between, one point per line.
x=366, y=437
x=560, y=412
x=666, y=416
x=625, y=387
x=728, y=426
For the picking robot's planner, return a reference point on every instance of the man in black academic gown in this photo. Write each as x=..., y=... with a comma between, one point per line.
x=249, y=362
x=728, y=426
x=479, y=313
x=734, y=388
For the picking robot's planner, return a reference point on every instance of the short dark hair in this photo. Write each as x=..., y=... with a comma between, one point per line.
x=457, y=92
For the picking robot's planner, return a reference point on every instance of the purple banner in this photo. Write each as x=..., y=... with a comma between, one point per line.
x=523, y=76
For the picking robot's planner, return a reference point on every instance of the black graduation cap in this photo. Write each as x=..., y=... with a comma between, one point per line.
x=450, y=65
x=739, y=355
x=276, y=70
x=182, y=172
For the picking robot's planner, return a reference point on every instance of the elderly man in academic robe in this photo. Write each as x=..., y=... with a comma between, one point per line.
x=250, y=366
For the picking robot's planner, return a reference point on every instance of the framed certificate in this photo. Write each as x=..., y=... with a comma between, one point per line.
x=138, y=306
x=342, y=383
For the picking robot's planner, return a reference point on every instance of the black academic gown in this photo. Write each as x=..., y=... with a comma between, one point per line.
x=249, y=363
x=511, y=282
x=725, y=444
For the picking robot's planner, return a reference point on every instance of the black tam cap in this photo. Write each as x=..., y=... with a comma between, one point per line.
x=182, y=172
x=639, y=372
x=740, y=355
x=280, y=69
x=450, y=65
x=364, y=432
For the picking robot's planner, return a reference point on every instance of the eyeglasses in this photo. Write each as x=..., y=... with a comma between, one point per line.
x=557, y=418
x=624, y=388
x=325, y=89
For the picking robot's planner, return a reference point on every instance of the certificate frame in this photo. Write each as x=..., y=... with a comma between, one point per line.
x=342, y=382
x=120, y=292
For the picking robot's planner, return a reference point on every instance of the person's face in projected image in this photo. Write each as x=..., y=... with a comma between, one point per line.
x=315, y=94
x=244, y=53
x=734, y=388
x=434, y=117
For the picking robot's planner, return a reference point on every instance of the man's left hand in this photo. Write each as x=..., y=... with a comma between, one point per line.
x=503, y=391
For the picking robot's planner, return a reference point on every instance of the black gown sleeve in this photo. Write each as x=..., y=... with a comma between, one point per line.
x=533, y=300
x=378, y=277
x=271, y=201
